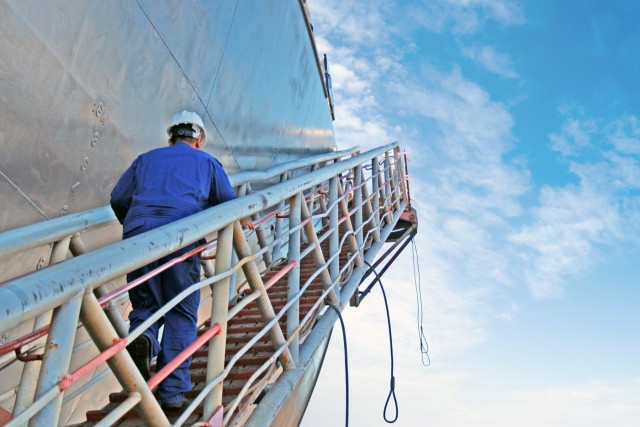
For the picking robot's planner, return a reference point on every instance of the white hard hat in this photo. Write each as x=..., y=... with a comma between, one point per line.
x=189, y=118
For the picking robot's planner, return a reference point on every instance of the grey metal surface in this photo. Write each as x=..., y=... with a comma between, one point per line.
x=85, y=86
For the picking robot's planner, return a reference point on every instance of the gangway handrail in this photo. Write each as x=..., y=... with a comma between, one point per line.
x=45, y=232
x=267, y=174
x=52, y=230
x=32, y=295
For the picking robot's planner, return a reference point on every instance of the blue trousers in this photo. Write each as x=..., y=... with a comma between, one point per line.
x=180, y=323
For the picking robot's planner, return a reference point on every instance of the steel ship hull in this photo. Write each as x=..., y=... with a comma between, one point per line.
x=85, y=86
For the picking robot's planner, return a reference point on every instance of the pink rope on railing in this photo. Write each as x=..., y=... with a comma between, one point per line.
x=184, y=355
x=68, y=380
x=279, y=275
x=111, y=295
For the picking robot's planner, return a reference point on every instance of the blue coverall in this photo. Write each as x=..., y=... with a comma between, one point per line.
x=159, y=187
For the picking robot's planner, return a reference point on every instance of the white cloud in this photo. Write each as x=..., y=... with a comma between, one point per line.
x=573, y=224
x=470, y=174
x=574, y=137
x=568, y=225
x=467, y=16
x=352, y=22
x=493, y=61
x=461, y=173
x=625, y=135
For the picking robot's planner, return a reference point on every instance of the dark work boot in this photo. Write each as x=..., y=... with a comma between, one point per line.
x=174, y=406
x=140, y=351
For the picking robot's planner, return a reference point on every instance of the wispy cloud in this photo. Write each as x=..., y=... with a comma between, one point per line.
x=466, y=16
x=469, y=188
x=492, y=60
x=574, y=223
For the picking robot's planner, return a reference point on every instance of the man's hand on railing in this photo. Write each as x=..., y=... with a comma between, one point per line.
x=247, y=223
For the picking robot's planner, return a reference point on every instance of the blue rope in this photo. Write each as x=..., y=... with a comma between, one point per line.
x=392, y=382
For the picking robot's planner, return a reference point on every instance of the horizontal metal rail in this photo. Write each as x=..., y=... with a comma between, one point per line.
x=53, y=230
x=46, y=232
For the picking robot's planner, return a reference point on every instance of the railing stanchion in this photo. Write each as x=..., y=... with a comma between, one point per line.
x=369, y=211
x=276, y=252
x=31, y=370
x=375, y=184
x=382, y=197
x=357, y=202
x=393, y=181
x=104, y=336
x=388, y=195
x=400, y=161
x=77, y=247
x=262, y=237
x=334, y=238
x=348, y=225
x=57, y=357
x=219, y=308
x=293, y=315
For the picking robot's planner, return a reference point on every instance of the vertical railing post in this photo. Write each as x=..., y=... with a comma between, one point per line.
x=77, y=247
x=293, y=315
x=313, y=193
x=357, y=222
x=31, y=370
x=219, y=309
x=57, y=357
x=276, y=252
x=375, y=182
x=357, y=202
x=322, y=200
x=323, y=208
x=388, y=195
x=401, y=165
x=393, y=182
x=349, y=230
x=334, y=238
x=241, y=192
x=375, y=191
x=262, y=237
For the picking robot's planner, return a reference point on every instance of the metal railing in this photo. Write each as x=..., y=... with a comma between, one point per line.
x=355, y=212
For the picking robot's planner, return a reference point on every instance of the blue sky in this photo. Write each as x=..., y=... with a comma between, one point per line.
x=522, y=122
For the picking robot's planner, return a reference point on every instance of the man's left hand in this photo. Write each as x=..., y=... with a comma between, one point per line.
x=246, y=223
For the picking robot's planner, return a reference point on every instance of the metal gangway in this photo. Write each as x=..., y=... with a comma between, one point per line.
x=320, y=222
